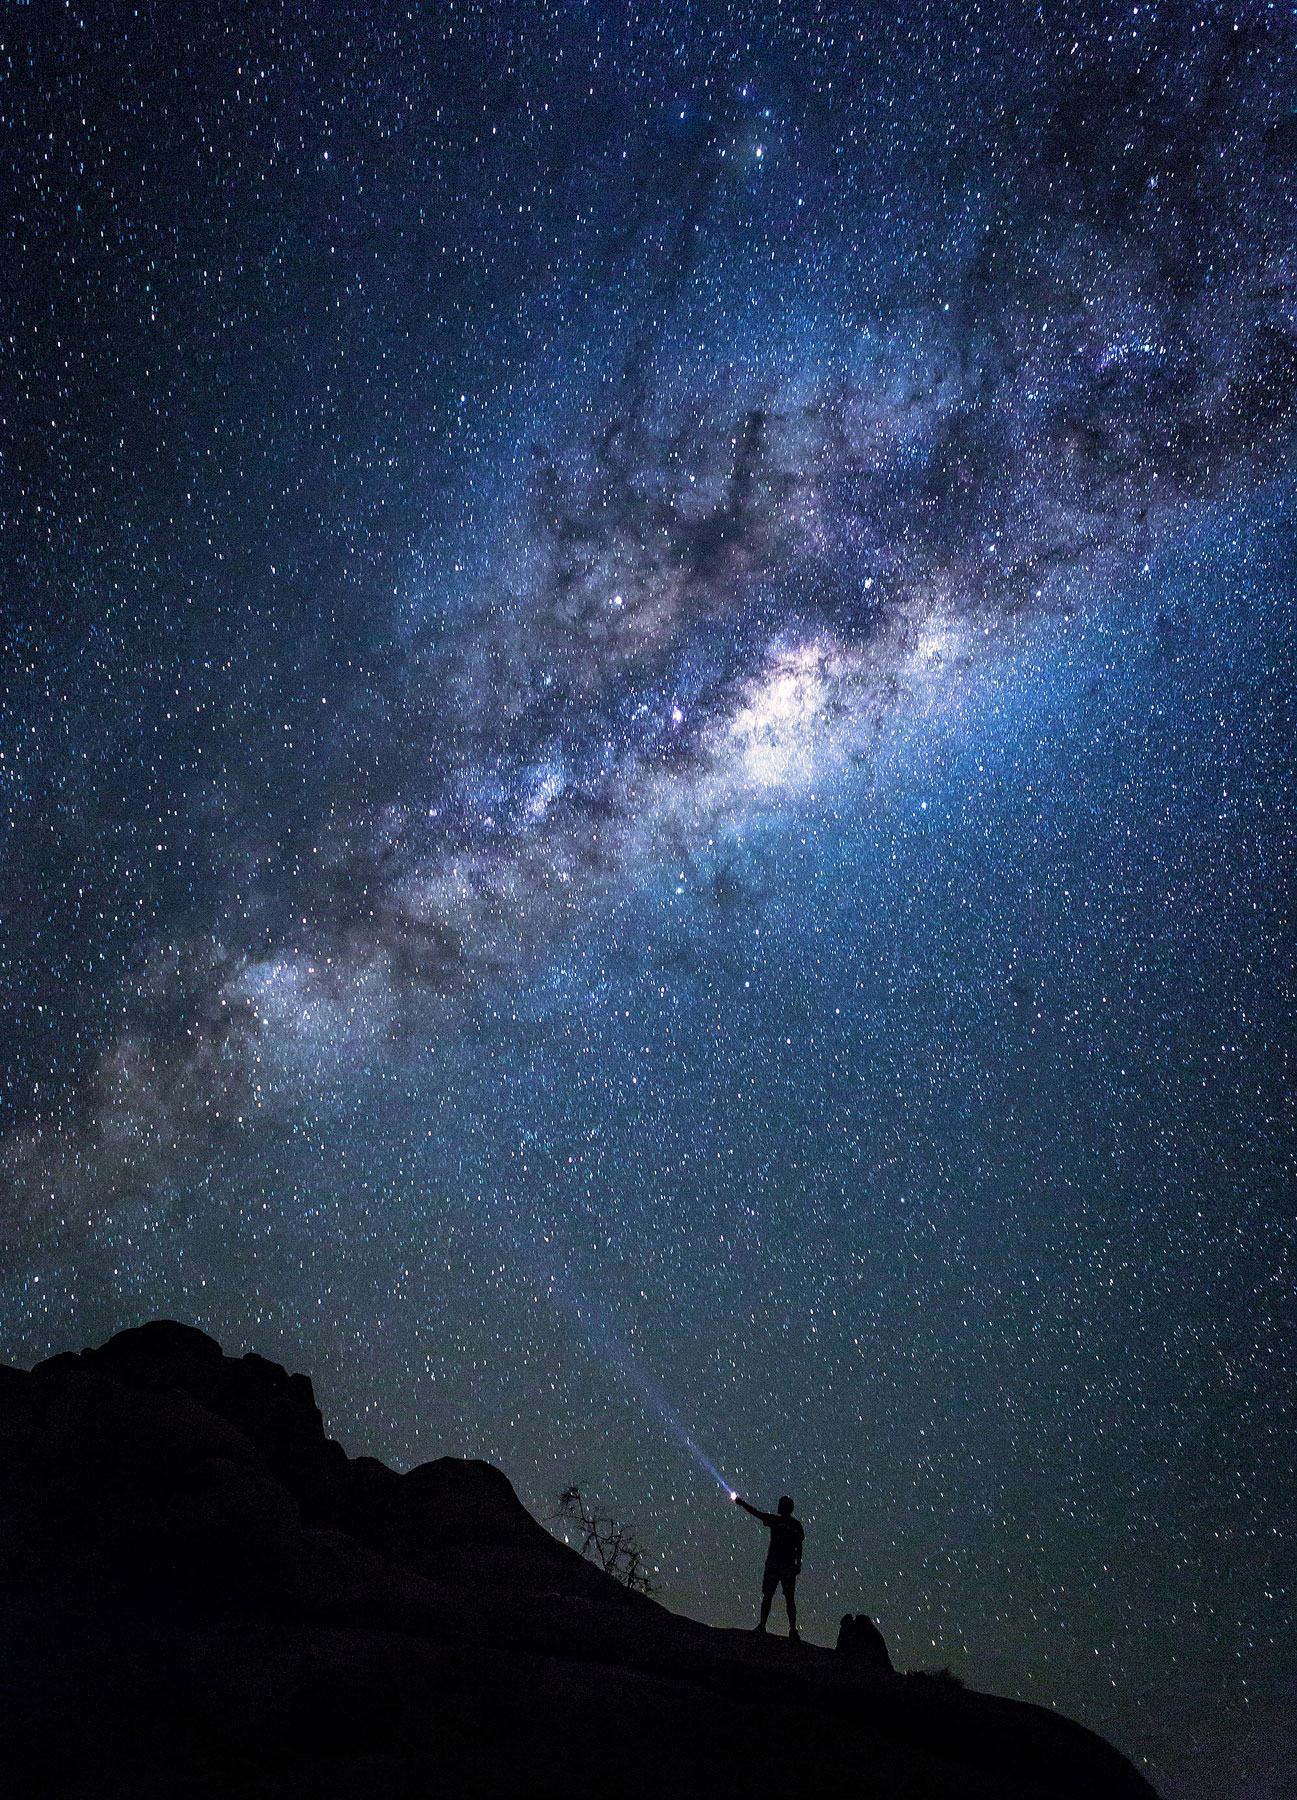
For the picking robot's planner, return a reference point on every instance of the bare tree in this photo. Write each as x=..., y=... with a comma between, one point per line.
x=604, y=1541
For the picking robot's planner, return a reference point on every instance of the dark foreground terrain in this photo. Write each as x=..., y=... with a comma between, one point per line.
x=204, y=1596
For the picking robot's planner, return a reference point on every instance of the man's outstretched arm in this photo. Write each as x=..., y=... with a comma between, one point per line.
x=765, y=1518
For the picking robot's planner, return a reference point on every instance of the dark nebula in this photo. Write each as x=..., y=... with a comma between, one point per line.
x=647, y=775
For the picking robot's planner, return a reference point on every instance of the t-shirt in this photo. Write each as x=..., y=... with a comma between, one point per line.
x=786, y=1537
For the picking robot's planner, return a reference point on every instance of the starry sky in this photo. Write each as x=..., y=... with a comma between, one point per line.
x=647, y=788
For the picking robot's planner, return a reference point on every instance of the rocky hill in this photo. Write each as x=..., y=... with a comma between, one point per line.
x=204, y=1596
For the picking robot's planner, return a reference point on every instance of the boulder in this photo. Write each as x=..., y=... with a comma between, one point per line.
x=460, y=1522
x=271, y=1409
x=861, y=1640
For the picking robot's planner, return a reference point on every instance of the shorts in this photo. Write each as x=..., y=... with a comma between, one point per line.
x=776, y=1576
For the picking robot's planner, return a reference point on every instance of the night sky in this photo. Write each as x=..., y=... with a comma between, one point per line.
x=646, y=776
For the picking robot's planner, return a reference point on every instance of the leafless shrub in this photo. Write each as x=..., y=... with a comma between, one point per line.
x=604, y=1541
x=938, y=1677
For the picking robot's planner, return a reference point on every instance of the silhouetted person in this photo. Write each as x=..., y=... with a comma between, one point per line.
x=861, y=1640
x=783, y=1559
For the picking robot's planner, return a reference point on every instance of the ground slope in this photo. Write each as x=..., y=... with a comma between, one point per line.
x=205, y=1596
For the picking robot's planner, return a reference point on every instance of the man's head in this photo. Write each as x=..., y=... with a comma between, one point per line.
x=785, y=1506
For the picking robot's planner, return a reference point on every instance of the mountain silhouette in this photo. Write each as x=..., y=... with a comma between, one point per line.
x=204, y=1596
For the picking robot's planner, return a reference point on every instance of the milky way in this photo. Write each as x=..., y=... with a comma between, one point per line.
x=508, y=512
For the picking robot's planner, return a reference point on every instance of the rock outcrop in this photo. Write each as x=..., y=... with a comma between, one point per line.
x=204, y=1595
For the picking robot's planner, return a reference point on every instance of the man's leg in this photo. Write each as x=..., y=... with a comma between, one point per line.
x=790, y=1601
x=769, y=1583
